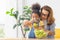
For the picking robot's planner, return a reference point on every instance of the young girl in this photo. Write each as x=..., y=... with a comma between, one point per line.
x=35, y=18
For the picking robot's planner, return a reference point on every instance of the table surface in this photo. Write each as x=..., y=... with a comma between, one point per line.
x=24, y=39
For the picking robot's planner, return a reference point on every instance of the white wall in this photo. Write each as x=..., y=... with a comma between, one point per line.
x=52, y=3
x=7, y=20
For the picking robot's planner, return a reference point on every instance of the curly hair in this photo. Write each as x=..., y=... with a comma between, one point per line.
x=50, y=17
x=36, y=8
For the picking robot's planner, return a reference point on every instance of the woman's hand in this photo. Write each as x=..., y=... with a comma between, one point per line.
x=50, y=33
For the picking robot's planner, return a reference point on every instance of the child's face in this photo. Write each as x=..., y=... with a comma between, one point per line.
x=35, y=17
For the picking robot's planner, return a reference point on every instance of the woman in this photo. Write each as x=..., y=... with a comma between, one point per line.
x=49, y=21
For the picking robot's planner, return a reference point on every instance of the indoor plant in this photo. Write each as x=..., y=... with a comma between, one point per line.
x=26, y=15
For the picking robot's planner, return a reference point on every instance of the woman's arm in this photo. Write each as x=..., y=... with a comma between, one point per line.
x=52, y=29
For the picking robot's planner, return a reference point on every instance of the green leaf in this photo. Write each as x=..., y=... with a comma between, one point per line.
x=16, y=14
x=22, y=18
x=26, y=29
x=7, y=12
x=12, y=14
x=14, y=26
x=12, y=10
x=27, y=18
x=25, y=7
x=19, y=24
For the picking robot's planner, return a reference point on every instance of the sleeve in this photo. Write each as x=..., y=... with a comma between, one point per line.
x=52, y=27
x=31, y=34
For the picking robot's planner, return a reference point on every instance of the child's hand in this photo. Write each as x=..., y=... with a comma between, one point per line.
x=27, y=23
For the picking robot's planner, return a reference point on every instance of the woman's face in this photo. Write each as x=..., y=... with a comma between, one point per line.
x=35, y=16
x=44, y=14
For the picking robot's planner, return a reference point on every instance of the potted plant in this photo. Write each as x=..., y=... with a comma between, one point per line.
x=26, y=15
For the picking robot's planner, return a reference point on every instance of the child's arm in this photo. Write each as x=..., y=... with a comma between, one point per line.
x=27, y=23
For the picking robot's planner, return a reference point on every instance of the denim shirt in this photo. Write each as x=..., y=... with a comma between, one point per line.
x=50, y=28
x=31, y=34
